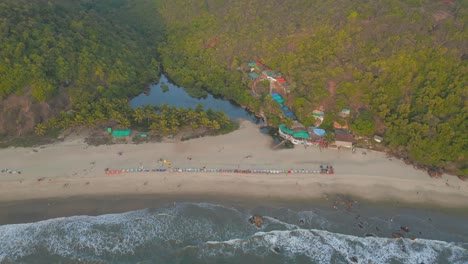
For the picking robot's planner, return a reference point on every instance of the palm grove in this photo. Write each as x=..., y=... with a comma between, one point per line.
x=399, y=65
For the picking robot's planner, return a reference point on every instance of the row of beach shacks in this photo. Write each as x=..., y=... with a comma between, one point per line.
x=120, y=171
x=286, y=111
x=264, y=171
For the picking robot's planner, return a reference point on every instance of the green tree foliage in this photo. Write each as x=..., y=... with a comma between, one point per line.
x=402, y=60
x=40, y=129
x=166, y=120
x=364, y=124
x=51, y=44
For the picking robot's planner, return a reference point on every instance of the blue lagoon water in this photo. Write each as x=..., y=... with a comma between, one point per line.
x=176, y=96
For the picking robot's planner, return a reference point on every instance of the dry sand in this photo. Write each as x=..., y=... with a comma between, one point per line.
x=72, y=168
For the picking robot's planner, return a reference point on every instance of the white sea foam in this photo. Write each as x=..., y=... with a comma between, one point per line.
x=106, y=234
x=326, y=247
x=114, y=234
x=287, y=226
x=211, y=231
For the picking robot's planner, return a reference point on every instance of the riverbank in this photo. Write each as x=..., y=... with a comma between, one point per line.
x=73, y=169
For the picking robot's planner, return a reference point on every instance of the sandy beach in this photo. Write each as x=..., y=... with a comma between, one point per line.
x=73, y=169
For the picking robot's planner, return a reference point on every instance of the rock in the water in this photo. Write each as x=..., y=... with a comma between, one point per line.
x=276, y=249
x=404, y=228
x=397, y=235
x=257, y=220
x=354, y=259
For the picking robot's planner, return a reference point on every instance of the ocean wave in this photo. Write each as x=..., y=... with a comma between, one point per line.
x=210, y=233
x=122, y=234
x=319, y=246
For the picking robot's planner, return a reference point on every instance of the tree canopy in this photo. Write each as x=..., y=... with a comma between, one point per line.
x=47, y=45
x=404, y=62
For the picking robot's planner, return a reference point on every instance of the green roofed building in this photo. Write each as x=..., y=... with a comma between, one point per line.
x=286, y=130
x=317, y=113
x=269, y=73
x=118, y=133
x=253, y=75
x=252, y=64
x=301, y=134
x=296, y=134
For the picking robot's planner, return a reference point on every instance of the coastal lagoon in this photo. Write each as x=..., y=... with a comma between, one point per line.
x=176, y=96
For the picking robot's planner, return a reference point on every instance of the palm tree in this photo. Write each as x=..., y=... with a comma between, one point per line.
x=155, y=128
x=99, y=116
x=289, y=122
x=139, y=115
x=222, y=118
x=163, y=126
x=164, y=107
x=193, y=125
x=79, y=120
x=215, y=125
x=181, y=115
x=329, y=137
x=199, y=108
x=173, y=124
x=123, y=122
x=114, y=115
x=90, y=120
x=191, y=115
x=149, y=111
x=40, y=129
x=154, y=118
x=53, y=123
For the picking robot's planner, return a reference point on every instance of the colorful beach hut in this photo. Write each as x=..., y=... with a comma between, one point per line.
x=119, y=133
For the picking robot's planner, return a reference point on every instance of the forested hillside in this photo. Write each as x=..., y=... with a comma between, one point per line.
x=68, y=49
x=401, y=66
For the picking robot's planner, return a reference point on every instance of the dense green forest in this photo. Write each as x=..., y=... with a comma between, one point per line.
x=57, y=56
x=400, y=66
x=46, y=46
x=97, y=53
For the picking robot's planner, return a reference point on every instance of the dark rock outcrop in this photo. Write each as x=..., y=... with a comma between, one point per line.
x=257, y=220
x=276, y=249
x=404, y=228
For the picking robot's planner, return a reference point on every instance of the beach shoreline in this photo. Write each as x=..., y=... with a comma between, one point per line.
x=33, y=210
x=74, y=169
